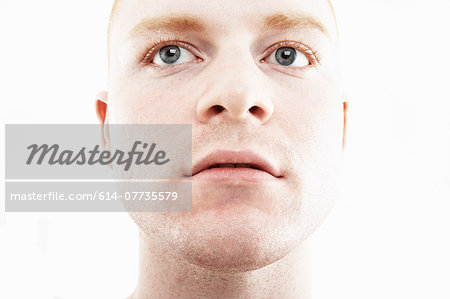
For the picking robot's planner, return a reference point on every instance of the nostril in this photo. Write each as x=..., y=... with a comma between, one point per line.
x=253, y=109
x=214, y=110
x=217, y=108
x=257, y=111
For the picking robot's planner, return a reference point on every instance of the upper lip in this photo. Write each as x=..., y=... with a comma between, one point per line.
x=235, y=157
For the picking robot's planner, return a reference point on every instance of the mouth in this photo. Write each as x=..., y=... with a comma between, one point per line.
x=246, y=165
x=234, y=165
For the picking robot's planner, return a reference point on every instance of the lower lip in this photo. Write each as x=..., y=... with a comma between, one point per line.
x=234, y=174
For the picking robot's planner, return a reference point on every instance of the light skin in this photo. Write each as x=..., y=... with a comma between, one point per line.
x=241, y=240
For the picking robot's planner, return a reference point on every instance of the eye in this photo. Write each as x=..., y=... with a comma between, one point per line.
x=288, y=56
x=171, y=54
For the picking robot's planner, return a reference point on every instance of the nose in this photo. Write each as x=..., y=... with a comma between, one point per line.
x=235, y=93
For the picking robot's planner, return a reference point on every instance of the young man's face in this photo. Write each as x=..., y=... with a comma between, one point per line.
x=258, y=76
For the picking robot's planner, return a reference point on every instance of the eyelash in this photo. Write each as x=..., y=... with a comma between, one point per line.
x=154, y=49
x=304, y=48
x=301, y=46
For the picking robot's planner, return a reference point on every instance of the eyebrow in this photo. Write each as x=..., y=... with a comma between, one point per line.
x=290, y=20
x=174, y=23
x=189, y=23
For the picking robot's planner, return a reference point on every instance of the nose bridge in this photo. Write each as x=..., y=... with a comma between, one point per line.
x=235, y=88
x=232, y=69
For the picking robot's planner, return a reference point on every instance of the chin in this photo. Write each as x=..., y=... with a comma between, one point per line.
x=233, y=239
x=240, y=234
x=236, y=250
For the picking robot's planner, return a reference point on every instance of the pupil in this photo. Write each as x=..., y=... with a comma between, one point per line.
x=285, y=55
x=169, y=54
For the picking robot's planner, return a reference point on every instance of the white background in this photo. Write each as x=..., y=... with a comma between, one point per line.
x=389, y=236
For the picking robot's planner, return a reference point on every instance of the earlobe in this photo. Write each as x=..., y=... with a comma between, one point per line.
x=345, y=108
x=101, y=104
x=101, y=107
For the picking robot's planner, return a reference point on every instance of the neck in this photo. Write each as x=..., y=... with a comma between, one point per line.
x=162, y=275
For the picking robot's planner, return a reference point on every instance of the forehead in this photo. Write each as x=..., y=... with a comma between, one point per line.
x=219, y=14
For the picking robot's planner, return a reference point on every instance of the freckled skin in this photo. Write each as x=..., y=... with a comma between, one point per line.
x=240, y=240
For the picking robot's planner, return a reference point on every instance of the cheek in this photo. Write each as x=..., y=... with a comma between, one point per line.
x=141, y=100
x=311, y=117
x=310, y=111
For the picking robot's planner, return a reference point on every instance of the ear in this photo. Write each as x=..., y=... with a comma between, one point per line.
x=345, y=107
x=101, y=107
